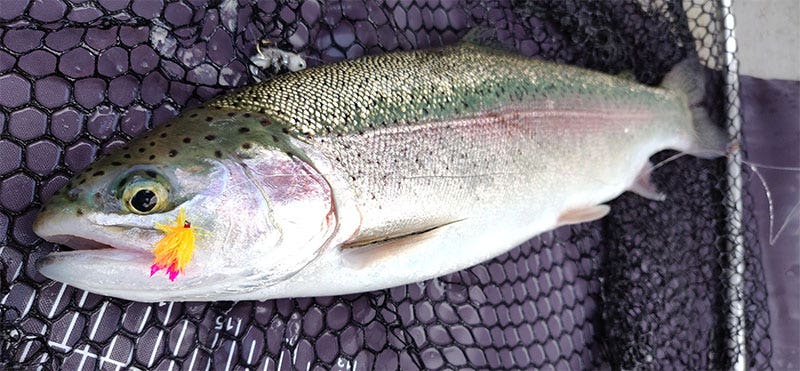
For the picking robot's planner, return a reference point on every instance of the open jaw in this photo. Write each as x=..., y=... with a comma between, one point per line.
x=101, y=261
x=77, y=242
x=88, y=248
x=92, y=265
x=124, y=270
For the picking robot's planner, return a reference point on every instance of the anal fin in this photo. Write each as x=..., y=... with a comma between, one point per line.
x=583, y=215
x=643, y=187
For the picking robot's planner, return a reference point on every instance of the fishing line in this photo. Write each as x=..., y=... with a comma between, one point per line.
x=753, y=166
x=772, y=237
x=668, y=160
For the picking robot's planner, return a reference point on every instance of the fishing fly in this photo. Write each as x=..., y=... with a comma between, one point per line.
x=175, y=250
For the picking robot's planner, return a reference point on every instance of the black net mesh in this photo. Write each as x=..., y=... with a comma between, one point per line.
x=646, y=287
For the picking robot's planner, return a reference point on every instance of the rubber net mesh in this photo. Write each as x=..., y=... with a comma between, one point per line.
x=645, y=287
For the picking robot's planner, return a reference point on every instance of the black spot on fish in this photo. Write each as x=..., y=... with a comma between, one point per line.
x=231, y=114
x=286, y=130
x=152, y=144
x=152, y=157
x=244, y=130
x=193, y=115
x=246, y=145
x=163, y=135
x=247, y=115
x=99, y=173
x=210, y=137
x=274, y=138
x=115, y=163
x=173, y=153
x=218, y=154
x=141, y=149
x=151, y=173
x=79, y=212
x=82, y=182
x=187, y=140
x=168, y=125
x=265, y=122
x=127, y=155
x=209, y=119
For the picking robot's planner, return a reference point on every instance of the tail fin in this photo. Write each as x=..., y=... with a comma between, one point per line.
x=687, y=77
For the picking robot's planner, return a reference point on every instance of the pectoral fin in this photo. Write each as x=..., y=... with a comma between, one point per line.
x=363, y=253
x=583, y=215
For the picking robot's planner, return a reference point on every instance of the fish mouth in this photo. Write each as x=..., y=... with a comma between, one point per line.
x=116, y=260
x=91, y=262
x=107, y=270
x=83, y=234
x=78, y=243
x=91, y=242
x=111, y=260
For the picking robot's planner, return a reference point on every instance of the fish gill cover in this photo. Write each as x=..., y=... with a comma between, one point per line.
x=642, y=288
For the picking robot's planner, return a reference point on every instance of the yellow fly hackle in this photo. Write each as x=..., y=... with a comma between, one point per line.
x=175, y=250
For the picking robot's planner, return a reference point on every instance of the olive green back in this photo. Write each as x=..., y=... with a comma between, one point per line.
x=418, y=86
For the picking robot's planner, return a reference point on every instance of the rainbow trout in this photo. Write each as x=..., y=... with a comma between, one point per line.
x=368, y=174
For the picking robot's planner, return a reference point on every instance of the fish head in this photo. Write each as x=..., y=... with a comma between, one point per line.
x=260, y=212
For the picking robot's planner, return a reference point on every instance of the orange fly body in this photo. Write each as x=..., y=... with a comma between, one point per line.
x=175, y=250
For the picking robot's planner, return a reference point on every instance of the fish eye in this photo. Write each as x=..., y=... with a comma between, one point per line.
x=142, y=194
x=144, y=200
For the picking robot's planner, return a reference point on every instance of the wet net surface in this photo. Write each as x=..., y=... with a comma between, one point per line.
x=645, y=287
